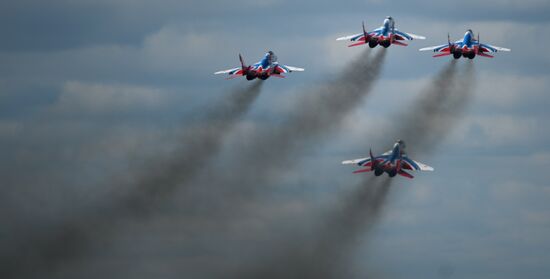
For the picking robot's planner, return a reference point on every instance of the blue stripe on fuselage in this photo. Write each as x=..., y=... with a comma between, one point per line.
x=385, y=28
x=395, y=154
x=467, y=41
x=265, y=62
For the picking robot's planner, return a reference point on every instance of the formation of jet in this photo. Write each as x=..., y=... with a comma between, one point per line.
x=393, y=162
x=468, y=47
x=265, y=68
x=384, y=35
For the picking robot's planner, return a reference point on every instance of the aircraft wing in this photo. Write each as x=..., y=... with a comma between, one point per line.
x=287, y=69
x=350, y=37
x=355, y=161
x=408, y=36
x=490, y=48
x=234, y=71
x=439, y=48
x=359, y=36
x=366, y=162
x=411, y=164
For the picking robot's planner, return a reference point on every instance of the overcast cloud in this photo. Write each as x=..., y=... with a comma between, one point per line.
x=93, y=90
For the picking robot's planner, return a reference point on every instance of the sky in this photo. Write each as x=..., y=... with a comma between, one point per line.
x=124, y=156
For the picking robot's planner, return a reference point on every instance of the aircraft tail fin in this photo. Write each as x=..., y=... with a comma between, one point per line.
x=372, y=161
x=365, y=34
x=242, y=61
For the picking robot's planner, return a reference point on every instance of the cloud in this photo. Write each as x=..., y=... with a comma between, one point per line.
x=89, y=87
x=97, y=99
x=500, y=131
x=511, y=91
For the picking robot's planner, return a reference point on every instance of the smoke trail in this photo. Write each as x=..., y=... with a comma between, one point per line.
x=423, y=126
x=43, y=252
x=434, y=114
x=200, y=143
x=319, y=111
x=327, y=254
x=69, y=240
x=266, y=152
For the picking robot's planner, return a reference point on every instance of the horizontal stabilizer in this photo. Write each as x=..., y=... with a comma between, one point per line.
x=357, y=44
x=485, y=55
x=363, y=170
x=399, y=43
x=405, y=174
x=442, y=54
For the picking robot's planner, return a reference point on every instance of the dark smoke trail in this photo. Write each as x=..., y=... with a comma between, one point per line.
x=431, y=117
x=325, y=255
x=343, y=231
x=268, y=151
x=314, y=116
x=199, y=145
x=45, y=251
x=423, y=126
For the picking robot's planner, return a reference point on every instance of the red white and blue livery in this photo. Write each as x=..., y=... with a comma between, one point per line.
x=384, y=35
x=393, y=162
x=265, y=68
x=468, y=47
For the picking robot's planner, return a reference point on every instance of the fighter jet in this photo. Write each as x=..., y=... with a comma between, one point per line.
x=385, y=36
x=392, y=162
x=467, y=47
x=265, y=68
